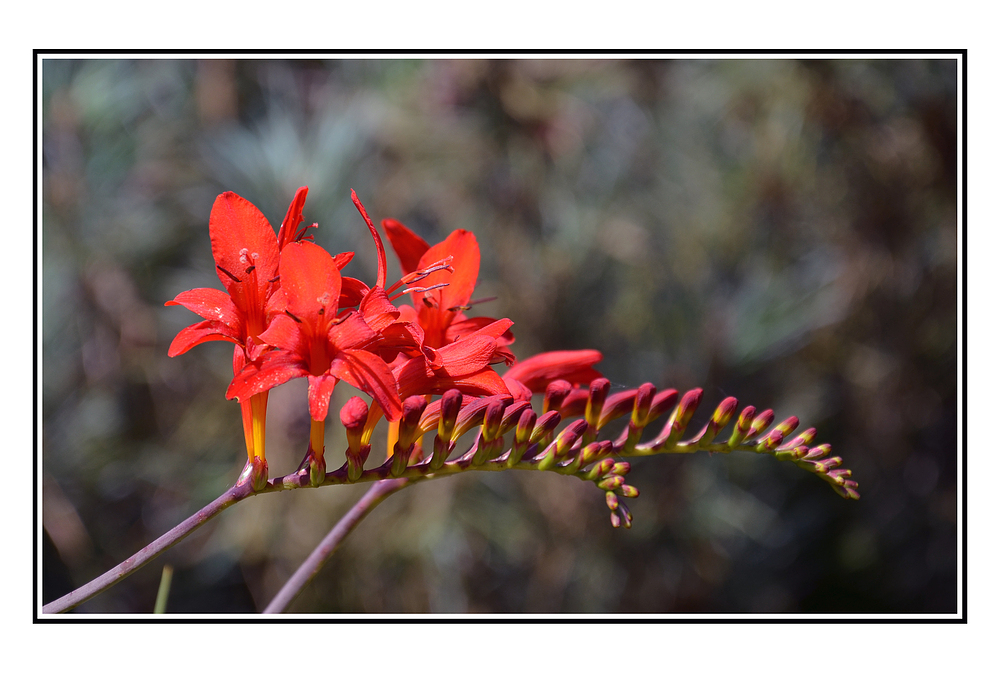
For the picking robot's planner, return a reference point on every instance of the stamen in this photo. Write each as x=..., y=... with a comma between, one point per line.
x=417, y=289
x=274, y=280
x=235, y=279
x=472, y=303
x=290, y=315
x=420, y=274
x=250, y=269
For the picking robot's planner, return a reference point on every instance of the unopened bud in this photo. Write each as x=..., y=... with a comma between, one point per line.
x=611, y=499
x=615, y=406
x=601, y=469
x=621, y=469
x=818, y=452
x=353, y=416
x=595, y=402
x=611, y=483
x=644, y=396
x=595, y=450
x=828, y=464
x=629, y=491
x=555, y=393
x=451, y=403
x=568, y=437
x=544, y=427
x=662, y=401
x=761, y=423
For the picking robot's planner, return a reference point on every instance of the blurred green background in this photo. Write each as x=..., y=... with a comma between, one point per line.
x=783, y=231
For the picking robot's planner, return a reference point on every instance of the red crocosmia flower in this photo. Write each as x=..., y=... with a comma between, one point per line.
x=536, y=373
x=246, y=251
x=312, y=340
x=439, y=310
x=462, y=364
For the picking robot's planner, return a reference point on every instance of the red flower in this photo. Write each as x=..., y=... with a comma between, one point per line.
x=245, y=250
x=313, y=341
x=440, y=311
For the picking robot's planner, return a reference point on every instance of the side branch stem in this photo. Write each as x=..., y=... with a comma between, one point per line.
x=150, y=551
x=375, y=495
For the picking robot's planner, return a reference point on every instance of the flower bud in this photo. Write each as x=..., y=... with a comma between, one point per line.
x=555, y=393
x=611, y=483
x=612, y=500
x=568, y=437
x=662, y=401
x=353, y=416
x=595, y=402
x=644, y=396
x=451, y=403
x=544, y=427
x=629, y=491
x=817, y=452
x=621, y=469
x=601, y=469
x=615, y=406
x=525, y=424
x=760, y=423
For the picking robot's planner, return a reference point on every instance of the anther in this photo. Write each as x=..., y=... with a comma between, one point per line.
x=290, y=315
x=274, y=280
x=235, y=279
x=250, y=268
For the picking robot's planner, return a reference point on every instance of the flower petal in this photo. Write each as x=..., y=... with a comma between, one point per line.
x=199, y=333
x=277, y=368
x=461, y=245
x=466, y=356
x=210, y=304
x=408, y=246
x=242, y=238
x=462, y=325
x=351, y=332
x=377, y=310
x=290, y=225
x=320, y=389
x=368, y=372
x=311, y=283
x=537, y=372
x=284, y=333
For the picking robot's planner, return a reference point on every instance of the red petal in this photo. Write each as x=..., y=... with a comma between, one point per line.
x=199, y=333
x=377, y=310
x=414, y=377
x=238, y=232
x=351, y=332
x=538, y=371
x=290, y=225
x=352, y=291
x=311, y=283
x=409, y=247
x=284, y=333
x=466, y=356
x=341, y=259
x=278, y=367
x=462, y=325
x=210, y=304
x=368, y=372
x=380, y=249
x=464, y=249
x=320, y=389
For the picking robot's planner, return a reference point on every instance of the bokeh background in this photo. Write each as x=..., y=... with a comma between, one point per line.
x=783, y=231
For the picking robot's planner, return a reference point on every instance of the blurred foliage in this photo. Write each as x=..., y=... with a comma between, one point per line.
x=782, y=231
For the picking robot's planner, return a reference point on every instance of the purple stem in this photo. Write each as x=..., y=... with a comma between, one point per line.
x=150, y=551
x=375, y=495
